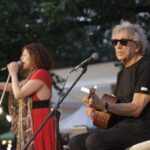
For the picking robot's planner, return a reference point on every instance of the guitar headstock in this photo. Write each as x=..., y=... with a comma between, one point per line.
x=86, y=90
x=90, y=92
x=89, y=101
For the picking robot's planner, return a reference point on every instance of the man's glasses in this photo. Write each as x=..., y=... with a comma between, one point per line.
x=123, y=42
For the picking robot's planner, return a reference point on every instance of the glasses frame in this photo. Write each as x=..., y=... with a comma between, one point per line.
x=123, y=42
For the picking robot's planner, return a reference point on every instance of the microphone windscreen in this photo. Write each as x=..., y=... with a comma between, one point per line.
x=95, y=56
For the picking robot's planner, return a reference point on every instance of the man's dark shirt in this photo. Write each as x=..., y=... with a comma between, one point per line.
x=135, y=79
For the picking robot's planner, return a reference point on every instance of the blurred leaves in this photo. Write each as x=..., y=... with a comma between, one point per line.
x=71, y=29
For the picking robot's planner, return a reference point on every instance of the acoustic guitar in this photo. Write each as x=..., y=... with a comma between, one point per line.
x=102, y=118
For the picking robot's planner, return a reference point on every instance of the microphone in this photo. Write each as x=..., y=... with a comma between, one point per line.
x=18, y=62
x=94, y=57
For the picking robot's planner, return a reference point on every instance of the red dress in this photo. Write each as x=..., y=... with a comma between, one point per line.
x=45, y=139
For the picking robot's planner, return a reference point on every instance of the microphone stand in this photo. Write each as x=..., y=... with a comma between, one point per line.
x=2, y=96
x=55, y=108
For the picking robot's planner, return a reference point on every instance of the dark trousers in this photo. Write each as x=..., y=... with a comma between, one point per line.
x=119, y=137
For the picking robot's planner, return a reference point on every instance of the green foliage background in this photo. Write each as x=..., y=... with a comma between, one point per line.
x=71, y=29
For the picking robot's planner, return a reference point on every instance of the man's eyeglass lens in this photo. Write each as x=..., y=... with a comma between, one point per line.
x=123, y=42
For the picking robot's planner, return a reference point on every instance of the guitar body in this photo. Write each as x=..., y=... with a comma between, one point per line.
x=104, y=119
x=101, y=119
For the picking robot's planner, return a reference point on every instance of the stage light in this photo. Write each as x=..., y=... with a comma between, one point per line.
x=9, y=146
x=4, y=142
x=8, y=118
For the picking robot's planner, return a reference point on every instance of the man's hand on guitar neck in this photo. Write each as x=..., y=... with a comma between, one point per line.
x=93, y=101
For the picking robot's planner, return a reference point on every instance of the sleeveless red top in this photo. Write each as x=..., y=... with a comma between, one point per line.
x=45, y=140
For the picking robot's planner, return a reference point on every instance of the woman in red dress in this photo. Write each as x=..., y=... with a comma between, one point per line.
x=32, y=95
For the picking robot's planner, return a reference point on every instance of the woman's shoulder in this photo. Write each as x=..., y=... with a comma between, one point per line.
x=41, y=73
x=41, y=70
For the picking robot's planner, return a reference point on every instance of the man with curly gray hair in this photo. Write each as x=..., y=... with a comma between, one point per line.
x=136, y=32
x=130, y=114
